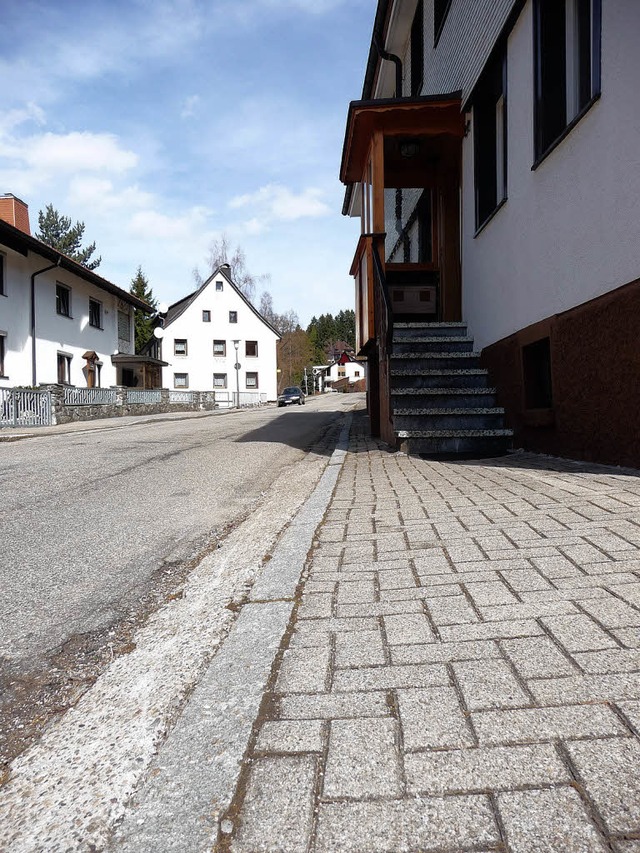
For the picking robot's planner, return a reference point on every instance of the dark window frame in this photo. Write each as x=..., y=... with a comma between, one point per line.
x=3, y=355
x=233, y=316
x=206, y=315
x=490, y=175
x=417, y=50
x=92, y=317
x=537, y=375
x=63, y=300
x=253, y=354
x=3, y=286
x=224, y=348
x=246, y=380
x=64, y=368
x=224, y=378
x=440, y=12
x=551, y=119
x=219, y=286
x=180, y=341
x=175, y=380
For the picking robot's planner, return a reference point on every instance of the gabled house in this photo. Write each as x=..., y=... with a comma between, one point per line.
x=216, y=339
x=492, y=160
x=59, y=321
x=345, y=371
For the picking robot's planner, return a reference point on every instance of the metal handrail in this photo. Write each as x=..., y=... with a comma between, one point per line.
x=381, y=281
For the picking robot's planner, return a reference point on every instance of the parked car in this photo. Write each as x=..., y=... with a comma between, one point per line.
x=290, y=396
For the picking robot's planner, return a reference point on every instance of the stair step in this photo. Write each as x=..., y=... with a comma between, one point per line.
x=434, y=355
x=417, y=378
x=447, y=411
x=447, y=420
x=407, y=331
x=427, y=343
x=418, y=392
x=477, y=445
x=419, y=399
x=454, y=433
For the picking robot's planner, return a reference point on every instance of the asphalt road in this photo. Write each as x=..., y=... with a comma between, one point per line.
x=90, y=517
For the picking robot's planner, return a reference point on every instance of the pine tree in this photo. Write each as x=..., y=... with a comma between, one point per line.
x=143, y=322
x=57, y=231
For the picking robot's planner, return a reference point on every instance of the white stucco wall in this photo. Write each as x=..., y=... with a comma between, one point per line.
x=200, y=363
x=54, y=333
x=353, y=370
x=570, y=230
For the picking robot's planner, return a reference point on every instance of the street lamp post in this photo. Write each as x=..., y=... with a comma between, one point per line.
x=237, y=368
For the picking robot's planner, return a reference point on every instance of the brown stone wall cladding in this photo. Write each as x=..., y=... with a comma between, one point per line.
x=595, y=375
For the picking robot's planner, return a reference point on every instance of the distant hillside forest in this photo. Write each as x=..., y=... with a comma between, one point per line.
x=303, y=348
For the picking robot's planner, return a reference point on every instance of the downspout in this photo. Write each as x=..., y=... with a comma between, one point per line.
x=390, y=57
x=33, y=317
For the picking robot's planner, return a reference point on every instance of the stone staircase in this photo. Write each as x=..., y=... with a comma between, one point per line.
x=440, y=401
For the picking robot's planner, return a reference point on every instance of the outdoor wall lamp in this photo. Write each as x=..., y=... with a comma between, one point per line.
x=409, y=148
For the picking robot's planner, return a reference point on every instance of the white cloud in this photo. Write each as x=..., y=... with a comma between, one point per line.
x=189, y=108
x=275, y=202
x=77, y=152
x=154, y=225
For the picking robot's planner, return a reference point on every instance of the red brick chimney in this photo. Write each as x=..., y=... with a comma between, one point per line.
x=14, y=211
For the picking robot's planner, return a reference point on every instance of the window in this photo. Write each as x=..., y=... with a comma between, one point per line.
x=219, y=286
x=233, y=316
x=567, y=65
x=252, y=380
x=180, y=380
x=490, y=139
x=95, y=313
x=440, y=12
x=219, y=348
x=64, y=369
x=341, y=373
x=417, y=49
x=63, y=300
x=124, y=326
x=3, y=291
x=179, y=346
x=2, y=352
x=219, y=380
x=251, y=349
x=356, y=373
x=536, y=370
x=206, y=316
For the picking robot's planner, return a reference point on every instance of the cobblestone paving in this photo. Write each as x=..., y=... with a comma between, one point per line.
x=462, y=670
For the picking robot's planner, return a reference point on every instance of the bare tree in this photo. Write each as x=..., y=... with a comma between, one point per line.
x=221, y=251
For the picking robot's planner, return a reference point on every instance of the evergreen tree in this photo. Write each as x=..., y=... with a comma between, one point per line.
x=143, y=322
x=57, y=231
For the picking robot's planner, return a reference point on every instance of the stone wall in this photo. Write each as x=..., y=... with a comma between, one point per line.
x=61, y=413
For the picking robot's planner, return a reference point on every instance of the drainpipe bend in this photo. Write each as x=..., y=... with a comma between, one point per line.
x=390, y=57
x=34, y=371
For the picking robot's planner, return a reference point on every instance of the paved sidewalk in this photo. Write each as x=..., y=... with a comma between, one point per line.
x=461, y=670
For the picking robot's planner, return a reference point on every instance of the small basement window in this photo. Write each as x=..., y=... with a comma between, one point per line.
x=536, y=369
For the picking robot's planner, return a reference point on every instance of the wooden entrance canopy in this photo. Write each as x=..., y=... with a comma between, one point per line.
x=432, y=115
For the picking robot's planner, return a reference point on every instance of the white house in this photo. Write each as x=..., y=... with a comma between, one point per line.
x=209, y=332
x=493, y=161
x=346, y=368
x=59, y=321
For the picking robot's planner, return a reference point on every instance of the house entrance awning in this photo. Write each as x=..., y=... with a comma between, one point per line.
x=428, y=116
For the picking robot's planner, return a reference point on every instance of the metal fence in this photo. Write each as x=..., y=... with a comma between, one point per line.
x=89, y=396
x=229, y=399
x=181, y=396
x=22, y=408
x=144, y=396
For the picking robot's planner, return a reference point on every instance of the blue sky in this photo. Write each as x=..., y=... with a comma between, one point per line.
x=162, y=125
